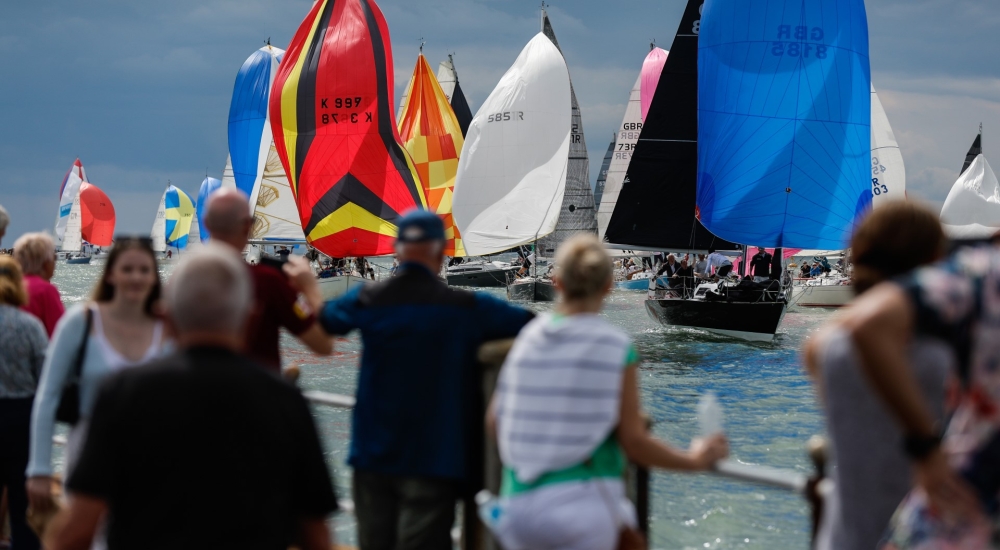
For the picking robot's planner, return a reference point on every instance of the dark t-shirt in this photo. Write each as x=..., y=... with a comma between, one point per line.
x=201, y=450
x=276, y=305
x=760, y=264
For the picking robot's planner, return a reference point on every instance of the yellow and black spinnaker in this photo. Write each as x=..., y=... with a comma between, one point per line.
x=335, y=130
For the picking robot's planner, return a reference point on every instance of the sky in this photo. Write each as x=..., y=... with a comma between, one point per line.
x=140, y=91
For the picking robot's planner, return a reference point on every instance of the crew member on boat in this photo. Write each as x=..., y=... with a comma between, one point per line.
x=722, y=265
x=701, y=267
x=760, y=265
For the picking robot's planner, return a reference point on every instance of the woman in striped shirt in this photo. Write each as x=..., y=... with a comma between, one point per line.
x=567, y=417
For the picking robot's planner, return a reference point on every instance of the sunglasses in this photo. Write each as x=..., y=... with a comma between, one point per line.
x=127, y=239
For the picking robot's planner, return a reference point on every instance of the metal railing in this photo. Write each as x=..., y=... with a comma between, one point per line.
x=474, y=535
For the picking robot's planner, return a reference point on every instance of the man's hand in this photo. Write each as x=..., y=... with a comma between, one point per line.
x=300, y=273
x=301, y=277
x=40, y=493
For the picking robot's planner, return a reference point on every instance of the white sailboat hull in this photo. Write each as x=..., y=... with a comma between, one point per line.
x=821, y=295
x=335, y=287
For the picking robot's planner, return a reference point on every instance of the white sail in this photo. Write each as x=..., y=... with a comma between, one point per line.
x=628, y=134
x=447, y=78
x=159, y=231
x=72, y=236
x=888, y=172
x=70, y=189
x=972, y=209
x=512, y=173
x=275, y=215
x=228, y=179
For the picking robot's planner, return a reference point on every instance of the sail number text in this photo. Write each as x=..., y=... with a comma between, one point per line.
x=506, y=116
x=792, y=42
x=352, y=102
x=878, y=168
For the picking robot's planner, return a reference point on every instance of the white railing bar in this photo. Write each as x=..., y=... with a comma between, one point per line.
x=775, y=477
x=330, y=399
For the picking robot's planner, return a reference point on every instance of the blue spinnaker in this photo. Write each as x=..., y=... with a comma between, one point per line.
x=249, y=128
x=209, y=186
x=784, y=115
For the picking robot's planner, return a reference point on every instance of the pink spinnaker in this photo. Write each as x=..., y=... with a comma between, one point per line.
x=651, y=69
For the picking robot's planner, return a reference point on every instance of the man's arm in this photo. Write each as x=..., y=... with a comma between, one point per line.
x=298, y=315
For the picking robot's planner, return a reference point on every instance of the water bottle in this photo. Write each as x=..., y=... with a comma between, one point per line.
x=489, y=509
x=709, y=415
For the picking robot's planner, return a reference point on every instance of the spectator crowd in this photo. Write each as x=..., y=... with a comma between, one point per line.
x=183, y=433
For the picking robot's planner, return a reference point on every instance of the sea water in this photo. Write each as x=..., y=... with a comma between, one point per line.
x=770, y=412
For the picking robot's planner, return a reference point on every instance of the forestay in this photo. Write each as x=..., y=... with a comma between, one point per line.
x=512, y=171
x=784, y=121
x=888, y=172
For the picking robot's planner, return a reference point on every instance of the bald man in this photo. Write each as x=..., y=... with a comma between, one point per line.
x=286, y=298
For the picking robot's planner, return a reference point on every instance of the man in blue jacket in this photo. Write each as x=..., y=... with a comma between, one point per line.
x=417, y=390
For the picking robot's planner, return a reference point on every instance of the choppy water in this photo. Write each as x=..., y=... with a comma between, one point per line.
x=770, y=413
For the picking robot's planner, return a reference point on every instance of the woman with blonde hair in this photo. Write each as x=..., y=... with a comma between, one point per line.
x=36, y=252
x=22, y=351
x=566, y=415
x=117, y=329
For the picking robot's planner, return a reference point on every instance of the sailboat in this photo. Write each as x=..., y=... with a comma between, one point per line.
x=972, y=208
x=208, y=186
x=431, y=134
x=91, y=222
x=627, y=136
x=772, y=172
x=447, y=76
x=172, y=225
x=513, y=169
x=337, y=138
x=888, y=184
x=68, y=191
x=577, y=214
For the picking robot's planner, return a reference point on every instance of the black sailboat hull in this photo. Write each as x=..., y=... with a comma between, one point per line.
x=757, y=321
x=532, y=291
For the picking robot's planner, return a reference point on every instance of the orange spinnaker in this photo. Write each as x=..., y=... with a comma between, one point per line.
x=432, y=135
x=335, y=130
x=97, y=215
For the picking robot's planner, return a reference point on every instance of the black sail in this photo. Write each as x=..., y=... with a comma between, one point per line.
x=974, y=151
x=461, y=107
x=656, y=208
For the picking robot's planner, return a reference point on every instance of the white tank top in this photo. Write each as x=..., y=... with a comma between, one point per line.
x=114, y=359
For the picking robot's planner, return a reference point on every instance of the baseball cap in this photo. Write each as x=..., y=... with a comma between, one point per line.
x=419, y=225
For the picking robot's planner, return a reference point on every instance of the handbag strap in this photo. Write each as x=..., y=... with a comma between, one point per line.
x=81, y=353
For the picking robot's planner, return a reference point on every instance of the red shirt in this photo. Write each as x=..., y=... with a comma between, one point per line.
x=43, y=302
x=276, y=305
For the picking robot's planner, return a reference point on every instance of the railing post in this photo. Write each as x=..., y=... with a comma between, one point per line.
x=817, y=485
x=475, y=535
